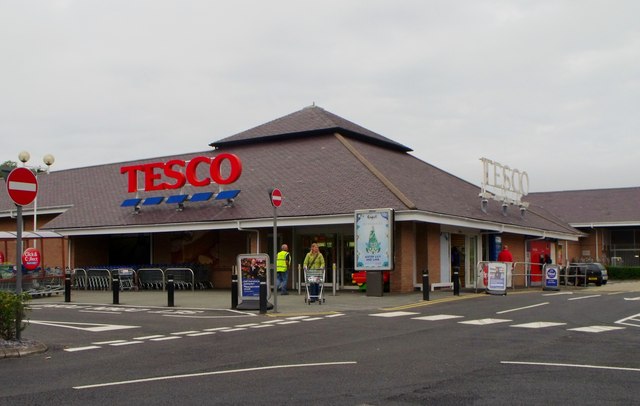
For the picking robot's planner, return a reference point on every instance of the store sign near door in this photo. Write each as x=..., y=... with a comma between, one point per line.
x=31, y=258
x=502, y=183
x=176, y=173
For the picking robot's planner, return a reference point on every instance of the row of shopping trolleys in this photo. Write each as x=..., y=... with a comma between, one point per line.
x=130, y=279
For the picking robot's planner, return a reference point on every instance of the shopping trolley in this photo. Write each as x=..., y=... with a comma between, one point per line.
x=314, y=285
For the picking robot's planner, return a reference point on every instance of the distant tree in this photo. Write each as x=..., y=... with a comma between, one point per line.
x=7, y=167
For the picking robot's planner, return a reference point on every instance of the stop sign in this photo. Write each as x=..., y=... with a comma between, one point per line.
x=276, y=197
x=31, y=258
x=22, y=186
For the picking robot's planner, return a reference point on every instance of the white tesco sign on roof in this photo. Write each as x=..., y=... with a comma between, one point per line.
x=506, y=184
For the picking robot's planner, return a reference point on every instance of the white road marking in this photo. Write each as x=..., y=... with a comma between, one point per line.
x=557, y=293
x=437, y=317
x=204, y=333
x=109, y=342
x=484, y=322
x=595, y=329
x=98, y=311
x=393, y=314
x=522, y=308
x=198, y=333
x=166, y=338
x=626, y=321
x=632, y=298
x=554, y=364
x=126, y=343
x=89, y=347
x=168, y=377
x=539, y=324
x=92, y=327
x=584, y=297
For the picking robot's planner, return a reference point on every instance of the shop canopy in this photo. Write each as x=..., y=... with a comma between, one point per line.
x=11, y=235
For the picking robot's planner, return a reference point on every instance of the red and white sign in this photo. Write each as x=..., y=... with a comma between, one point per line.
x=22, y=186
x=179, y=172
x=31, y=258
x=276, y=197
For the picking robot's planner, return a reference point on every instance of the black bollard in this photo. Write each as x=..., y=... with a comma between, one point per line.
x=425, y=284
x=456, y=282
x=263, y=294
x=170, y=290
x=115, y=287
x=67, y=286
x=234, y=291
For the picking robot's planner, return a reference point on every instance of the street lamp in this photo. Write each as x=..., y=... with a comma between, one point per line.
x=48, y=160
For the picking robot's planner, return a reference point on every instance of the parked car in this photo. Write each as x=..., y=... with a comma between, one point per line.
x=583, y=274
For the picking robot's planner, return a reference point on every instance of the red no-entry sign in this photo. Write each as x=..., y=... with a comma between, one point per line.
x=276, y=197
x=22, y=186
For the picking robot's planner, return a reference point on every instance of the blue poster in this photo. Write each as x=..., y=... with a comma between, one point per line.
x=251, y=268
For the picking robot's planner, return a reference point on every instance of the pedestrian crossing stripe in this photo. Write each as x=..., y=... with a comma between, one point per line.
x=393, y=314
x=437, y=317
x=539, y=324
x=484, y=322
x=595, y=329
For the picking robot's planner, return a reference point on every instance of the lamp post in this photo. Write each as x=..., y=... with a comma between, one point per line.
x=48, y=160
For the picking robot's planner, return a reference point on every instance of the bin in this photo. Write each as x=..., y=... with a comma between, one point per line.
x=375, y=284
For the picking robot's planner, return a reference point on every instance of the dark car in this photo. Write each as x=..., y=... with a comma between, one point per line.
x=583, y=274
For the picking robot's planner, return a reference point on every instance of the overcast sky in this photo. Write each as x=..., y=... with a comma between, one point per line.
x=548, y=87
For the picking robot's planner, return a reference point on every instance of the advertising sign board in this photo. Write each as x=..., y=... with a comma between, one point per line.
x=252, y=267
x=551, y=277
x=497, y=278
x=374, y=240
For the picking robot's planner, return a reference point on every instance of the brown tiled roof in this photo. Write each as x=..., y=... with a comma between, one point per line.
x=597, y=206
x=309, y=121
x=319, y=174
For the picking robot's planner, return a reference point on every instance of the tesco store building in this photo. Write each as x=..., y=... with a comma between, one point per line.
x=201, y=210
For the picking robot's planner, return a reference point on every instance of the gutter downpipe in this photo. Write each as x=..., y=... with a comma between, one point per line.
x=597, y=247
x=252, y=230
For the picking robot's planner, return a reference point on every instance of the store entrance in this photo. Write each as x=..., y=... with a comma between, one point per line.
x=338, y=252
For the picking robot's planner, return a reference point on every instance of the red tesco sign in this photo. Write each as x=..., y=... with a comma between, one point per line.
x=179, y=172
x=31, y=258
